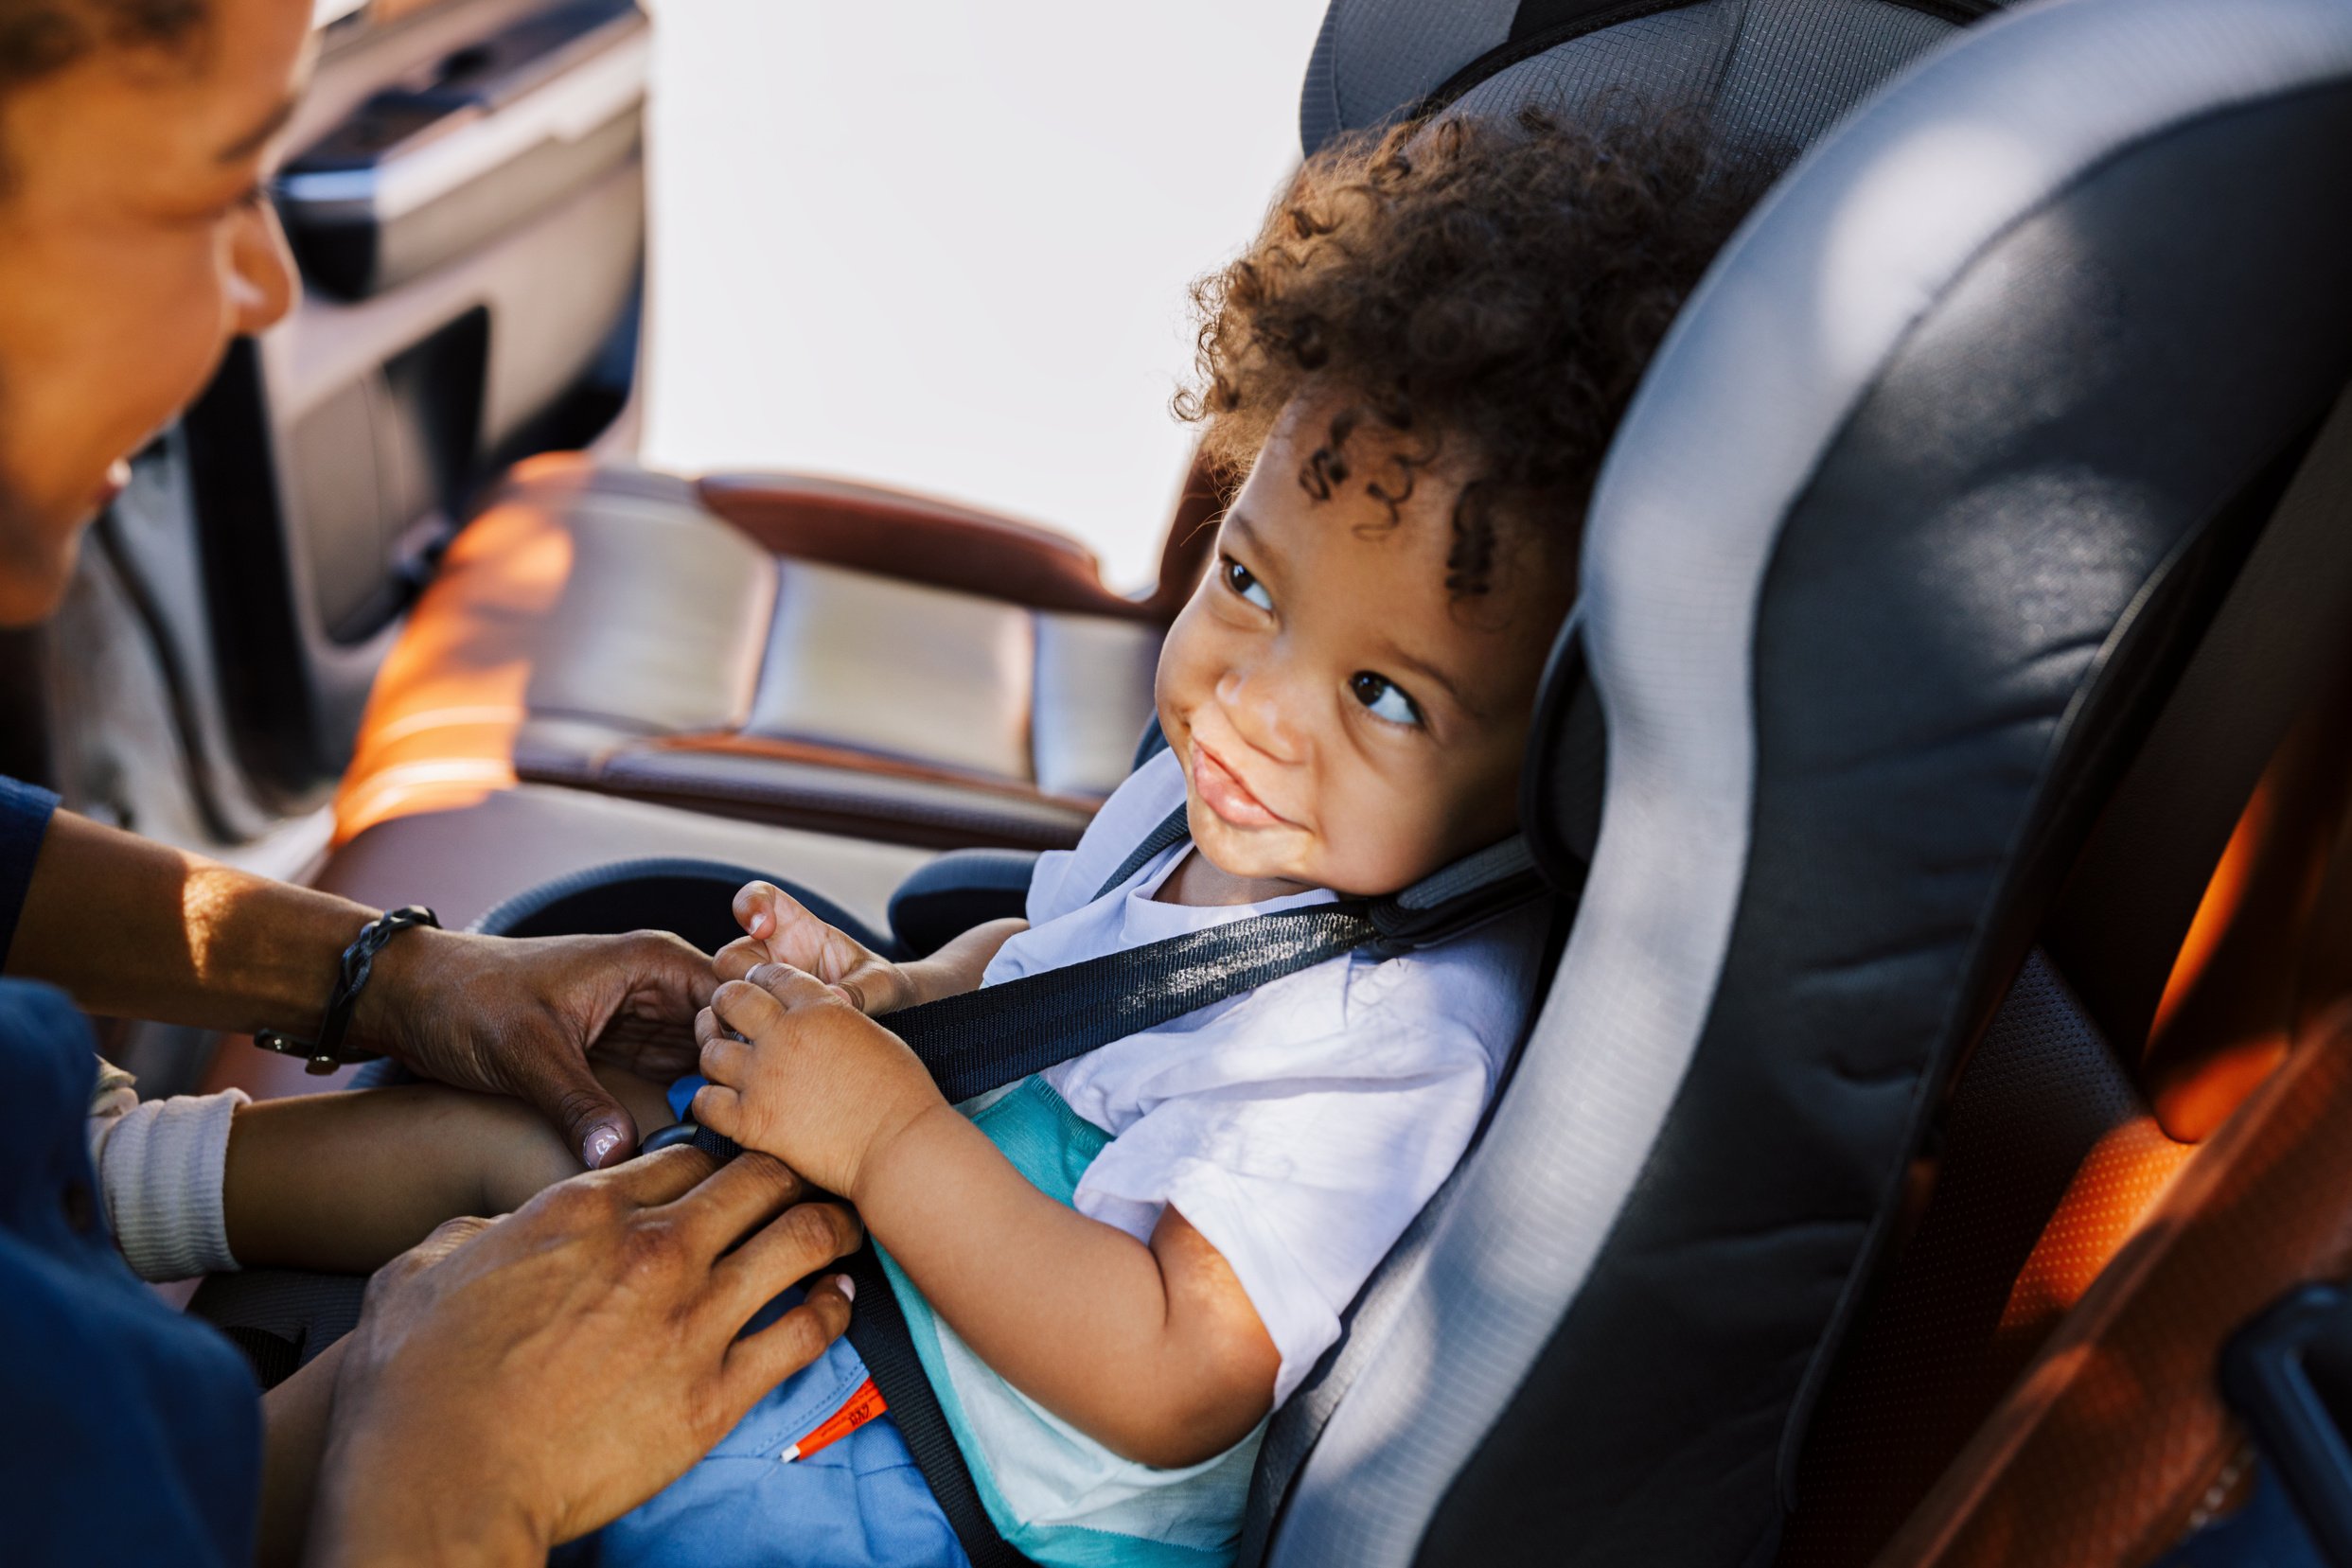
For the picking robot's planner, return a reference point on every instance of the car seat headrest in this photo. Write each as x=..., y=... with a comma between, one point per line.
x=1921, y=504
x=1768, y=72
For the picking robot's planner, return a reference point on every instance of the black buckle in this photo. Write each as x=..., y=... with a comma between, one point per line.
x=2288, y=1376
x=326, y=1053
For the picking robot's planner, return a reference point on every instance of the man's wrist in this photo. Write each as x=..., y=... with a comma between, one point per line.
x=393, y=1509
x=407, y=967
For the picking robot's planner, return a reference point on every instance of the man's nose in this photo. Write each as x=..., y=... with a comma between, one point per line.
x=261, y=269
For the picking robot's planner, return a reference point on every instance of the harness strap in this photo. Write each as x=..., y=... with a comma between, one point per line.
x=1173, y=830
x=1002, y=1034
x=999, y=1034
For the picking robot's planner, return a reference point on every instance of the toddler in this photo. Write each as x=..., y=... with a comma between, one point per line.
x=1115, y=1269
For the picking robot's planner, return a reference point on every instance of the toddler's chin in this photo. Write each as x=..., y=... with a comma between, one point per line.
x=1251, y=853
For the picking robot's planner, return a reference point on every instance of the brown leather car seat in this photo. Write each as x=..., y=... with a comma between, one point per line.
x=790, y=649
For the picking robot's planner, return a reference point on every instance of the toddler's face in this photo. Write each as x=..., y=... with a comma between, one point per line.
x=1343, y=721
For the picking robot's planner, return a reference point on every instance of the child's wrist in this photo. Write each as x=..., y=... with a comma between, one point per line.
x=920, y=982
x=885, y=1148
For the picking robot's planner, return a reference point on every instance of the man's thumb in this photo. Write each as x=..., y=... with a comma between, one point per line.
x=595, y=1125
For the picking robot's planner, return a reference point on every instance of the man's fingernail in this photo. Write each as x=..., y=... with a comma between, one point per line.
x=600, y=1143
x=849, y=1286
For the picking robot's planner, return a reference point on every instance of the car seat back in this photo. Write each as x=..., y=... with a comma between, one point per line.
x=1767, y=72
x=1898, y=553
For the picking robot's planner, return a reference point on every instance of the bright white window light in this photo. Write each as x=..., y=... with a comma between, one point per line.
x=943, y=245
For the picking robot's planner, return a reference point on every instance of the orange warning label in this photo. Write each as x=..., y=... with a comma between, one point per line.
x=863, y=1406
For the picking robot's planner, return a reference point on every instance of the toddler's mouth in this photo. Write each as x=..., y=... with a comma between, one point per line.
x=1222, y=790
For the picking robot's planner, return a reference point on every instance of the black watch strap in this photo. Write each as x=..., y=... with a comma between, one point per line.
x=326, y=1053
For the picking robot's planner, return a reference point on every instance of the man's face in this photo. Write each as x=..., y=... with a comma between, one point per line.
x=135, y=241
x=1343, y=721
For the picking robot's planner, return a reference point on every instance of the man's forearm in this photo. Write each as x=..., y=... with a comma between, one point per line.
x=133, y=928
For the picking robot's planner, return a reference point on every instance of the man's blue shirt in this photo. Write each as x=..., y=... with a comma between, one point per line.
x=133, y=1433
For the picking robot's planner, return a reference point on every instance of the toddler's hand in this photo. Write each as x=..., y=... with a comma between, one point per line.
x=779, y=929
x=813, y=1081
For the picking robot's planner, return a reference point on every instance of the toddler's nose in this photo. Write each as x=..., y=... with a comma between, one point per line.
x=1259, y=709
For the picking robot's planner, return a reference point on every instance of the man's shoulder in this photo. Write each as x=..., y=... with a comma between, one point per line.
x=143, y=1428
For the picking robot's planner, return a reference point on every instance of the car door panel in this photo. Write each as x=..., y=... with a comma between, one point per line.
x=467, y=195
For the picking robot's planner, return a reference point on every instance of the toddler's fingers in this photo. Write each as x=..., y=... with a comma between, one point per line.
x=725, y=1061
x=748, y=1008
x=737, y=958
x=717, y=1107
x=762, y=908
x=755, y=908
x=794, y=988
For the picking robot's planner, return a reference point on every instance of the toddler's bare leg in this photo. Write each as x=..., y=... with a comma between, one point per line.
x=348, y=1181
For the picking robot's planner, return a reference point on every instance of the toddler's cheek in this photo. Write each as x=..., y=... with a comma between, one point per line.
x=1392, y=856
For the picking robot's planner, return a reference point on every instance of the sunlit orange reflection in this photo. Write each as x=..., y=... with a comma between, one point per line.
x=2120, y=1180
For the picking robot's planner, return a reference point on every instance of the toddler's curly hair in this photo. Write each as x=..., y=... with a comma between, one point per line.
x=1485, y=290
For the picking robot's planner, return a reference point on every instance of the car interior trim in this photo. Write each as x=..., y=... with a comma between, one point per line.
x=603, y=77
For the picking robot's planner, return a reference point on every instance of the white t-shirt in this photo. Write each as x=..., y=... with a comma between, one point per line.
x=1300, y=1126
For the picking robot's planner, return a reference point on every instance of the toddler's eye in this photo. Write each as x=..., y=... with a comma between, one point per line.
x=1385, y=697
x=1237, y=577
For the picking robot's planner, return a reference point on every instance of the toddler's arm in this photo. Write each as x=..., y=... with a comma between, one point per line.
x=779, y=929
x=349, y=1181
x=1154, y=1352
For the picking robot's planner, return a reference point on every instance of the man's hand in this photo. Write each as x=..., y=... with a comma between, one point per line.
x=778, y=928
x=520, y=1016
x=515, y=1384
x=813, y=1081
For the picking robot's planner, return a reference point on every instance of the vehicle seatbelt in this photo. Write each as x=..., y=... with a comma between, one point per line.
x=999, y=1034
